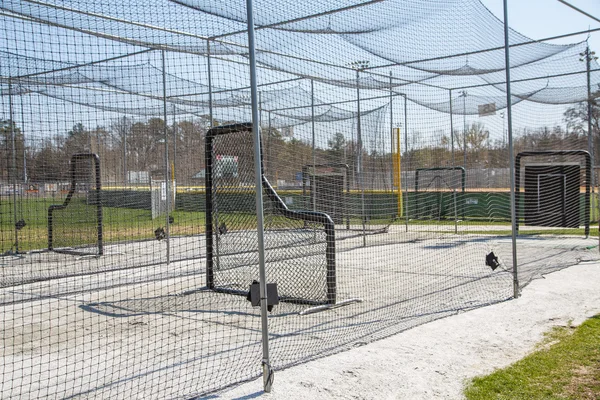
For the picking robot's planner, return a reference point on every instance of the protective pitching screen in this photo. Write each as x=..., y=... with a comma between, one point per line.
x=76, y=224
x=298, y=244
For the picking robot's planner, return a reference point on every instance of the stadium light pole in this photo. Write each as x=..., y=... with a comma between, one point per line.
x=266, y=365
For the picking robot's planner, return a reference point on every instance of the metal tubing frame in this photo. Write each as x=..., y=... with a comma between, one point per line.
x=588, y=179
x=279, y=205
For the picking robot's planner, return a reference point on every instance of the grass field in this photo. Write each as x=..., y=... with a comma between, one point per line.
x=566, y=366
x=121, y=224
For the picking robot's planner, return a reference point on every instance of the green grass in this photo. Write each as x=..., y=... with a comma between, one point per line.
x=119, y=223
x=565, y=366
x=134, y=224
x=448, y=222
x=533, y=232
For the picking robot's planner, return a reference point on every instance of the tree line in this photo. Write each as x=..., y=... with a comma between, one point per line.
x=126, y=146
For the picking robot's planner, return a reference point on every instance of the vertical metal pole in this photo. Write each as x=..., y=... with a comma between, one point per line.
x=511, y=157
x=175, y=135
x=588, y=59
x=464, y=96
x=451, y=130
x=359, y=171
x=313, y=182
x=260, y=109
x=392, y=136
x=267, y=371
x=167, y=180
x=210, y=102
x=13, y=167
x=124, y=142
x=270, y=168
x=406, y=167
x=452, y=160
x=23, y=138
x=212, y=245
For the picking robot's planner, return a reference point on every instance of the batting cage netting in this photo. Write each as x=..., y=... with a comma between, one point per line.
x=190, y=198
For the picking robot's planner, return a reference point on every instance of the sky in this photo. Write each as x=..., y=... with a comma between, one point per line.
x=539, y=19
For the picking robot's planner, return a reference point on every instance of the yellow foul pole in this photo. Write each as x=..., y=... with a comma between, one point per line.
x=397, y=179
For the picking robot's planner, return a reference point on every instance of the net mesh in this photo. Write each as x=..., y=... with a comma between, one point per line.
x=369, y=112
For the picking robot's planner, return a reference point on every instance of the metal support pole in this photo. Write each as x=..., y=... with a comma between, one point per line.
x=209, y=215
x=359, y=171
x=175, y=136
x=13, y=167
x=270, y=168
x=313, y=182
x=210, y=102
x=392, y=137
x=23, y=139
x=511, y=156
x=406, y=167
x=588, y=60
x=453, y=161
x=464, y=96
x=124, y=143
x=167, y=180
x=451, y=130
x=260, y=109
x=267, y=371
